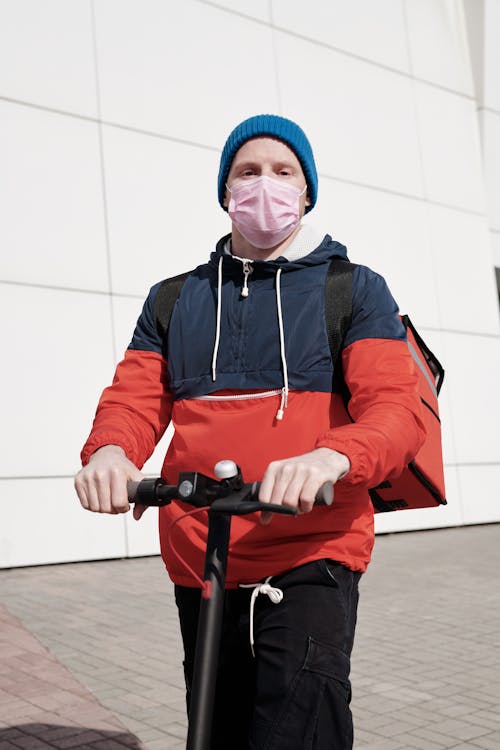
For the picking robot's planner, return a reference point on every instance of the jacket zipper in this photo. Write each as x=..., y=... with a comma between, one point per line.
x=247, y=270
x=239, y=396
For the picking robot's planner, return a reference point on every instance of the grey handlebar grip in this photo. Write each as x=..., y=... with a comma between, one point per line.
x=132, y=490
x=148, y=488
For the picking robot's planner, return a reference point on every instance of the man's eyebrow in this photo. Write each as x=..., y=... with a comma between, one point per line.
x=278, y=163
x=247, y=163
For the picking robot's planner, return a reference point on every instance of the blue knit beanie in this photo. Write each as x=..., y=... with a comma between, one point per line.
x=277, y=127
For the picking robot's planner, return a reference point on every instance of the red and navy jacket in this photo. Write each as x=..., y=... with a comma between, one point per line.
x=219, y=377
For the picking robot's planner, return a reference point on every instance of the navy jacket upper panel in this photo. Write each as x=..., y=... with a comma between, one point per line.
x=146, y=337
x=249, y=350
x=374, y=310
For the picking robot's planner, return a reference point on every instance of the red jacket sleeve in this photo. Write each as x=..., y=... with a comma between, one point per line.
x=388, y=428
x=135, y=410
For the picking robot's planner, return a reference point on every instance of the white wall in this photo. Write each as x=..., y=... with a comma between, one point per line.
x=113, y=115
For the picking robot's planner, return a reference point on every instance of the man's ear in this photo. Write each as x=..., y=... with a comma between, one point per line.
x=308, y=200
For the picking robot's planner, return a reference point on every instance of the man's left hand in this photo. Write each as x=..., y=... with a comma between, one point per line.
x=295, y=481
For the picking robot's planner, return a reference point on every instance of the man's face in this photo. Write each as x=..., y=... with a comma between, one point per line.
x=270, y=158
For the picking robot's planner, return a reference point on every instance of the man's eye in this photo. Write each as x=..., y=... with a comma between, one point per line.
x=248, y=172
x=285, y=172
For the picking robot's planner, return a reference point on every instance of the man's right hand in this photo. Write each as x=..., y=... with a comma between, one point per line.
x=102, y=485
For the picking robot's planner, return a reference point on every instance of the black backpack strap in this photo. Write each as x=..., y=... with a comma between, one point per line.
x=166, y=298
x=338, y=306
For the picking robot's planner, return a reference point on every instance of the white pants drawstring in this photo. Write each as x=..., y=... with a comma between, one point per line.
x=274, y=594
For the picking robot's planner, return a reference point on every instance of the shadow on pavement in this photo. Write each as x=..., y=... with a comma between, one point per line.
x=41, y=736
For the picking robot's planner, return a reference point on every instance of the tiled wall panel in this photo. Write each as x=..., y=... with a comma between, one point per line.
x=473, y=366
x=374, y=226
x=495, y=244
x=253, y=8
x=58, y=353
x=490, y=125
x=491, y=93
x=160, y=221
x=464, y=274
x=438, y=43
x=360, y=117
x=46, y=54
x=43, y=522
x=52, y=203
x=142, y=536
x=480, y=485
x=160, y=71
x=451, y=152
x=380, y=37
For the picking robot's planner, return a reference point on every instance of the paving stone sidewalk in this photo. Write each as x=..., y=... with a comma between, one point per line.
x=90, y=655
x=42, y=705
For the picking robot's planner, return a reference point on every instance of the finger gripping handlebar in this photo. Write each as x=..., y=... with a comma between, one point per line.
x=324, y=495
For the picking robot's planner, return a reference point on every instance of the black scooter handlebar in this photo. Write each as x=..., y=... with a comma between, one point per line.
x=198, y=490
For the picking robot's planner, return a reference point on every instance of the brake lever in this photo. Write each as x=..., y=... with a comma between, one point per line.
x=237, y=505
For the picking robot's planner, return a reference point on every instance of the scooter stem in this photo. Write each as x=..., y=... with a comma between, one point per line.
x=209, y=633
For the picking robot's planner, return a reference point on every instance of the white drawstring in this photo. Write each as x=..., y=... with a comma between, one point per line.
x=217, y=325
x=284, y=392
x=274, y=594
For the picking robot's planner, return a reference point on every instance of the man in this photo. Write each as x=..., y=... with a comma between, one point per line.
x=246, y=374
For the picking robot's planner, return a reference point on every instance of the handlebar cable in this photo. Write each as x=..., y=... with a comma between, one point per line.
x=205, y=585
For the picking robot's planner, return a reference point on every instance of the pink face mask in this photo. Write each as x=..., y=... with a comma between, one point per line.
x=265, y=211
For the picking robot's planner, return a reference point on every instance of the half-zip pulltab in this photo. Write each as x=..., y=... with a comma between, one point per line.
x=247, y=270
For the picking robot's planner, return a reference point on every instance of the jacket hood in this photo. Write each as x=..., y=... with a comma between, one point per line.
x=323, y=253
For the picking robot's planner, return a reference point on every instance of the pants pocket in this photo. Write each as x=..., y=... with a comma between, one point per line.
x=315, y=713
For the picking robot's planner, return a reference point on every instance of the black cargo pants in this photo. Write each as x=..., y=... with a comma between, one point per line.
x=295, y=693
